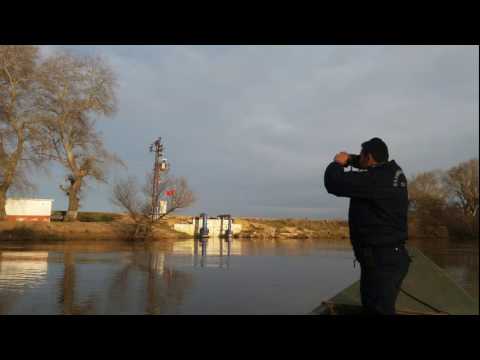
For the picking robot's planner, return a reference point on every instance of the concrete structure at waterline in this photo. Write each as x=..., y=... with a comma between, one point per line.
x=217, y=227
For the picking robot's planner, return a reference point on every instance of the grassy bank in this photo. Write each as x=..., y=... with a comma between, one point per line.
x=253, y=228
x=105, y=227
x=113, y=226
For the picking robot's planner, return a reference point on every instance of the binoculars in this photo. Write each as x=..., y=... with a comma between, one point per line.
x=353, y=160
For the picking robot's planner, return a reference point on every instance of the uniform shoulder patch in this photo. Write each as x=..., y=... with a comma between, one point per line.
x=399, y=179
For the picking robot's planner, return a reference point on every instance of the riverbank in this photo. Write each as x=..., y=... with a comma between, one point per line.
x=120, y=227
x=253, y=228
x=264, y=228
x=111, y=226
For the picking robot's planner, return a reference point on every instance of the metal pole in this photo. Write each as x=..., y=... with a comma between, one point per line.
x=220, y=235
x=157, y=148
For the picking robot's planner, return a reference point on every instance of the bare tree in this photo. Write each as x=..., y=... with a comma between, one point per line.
x=427, y=200
x=137, y=202
x=462, y=184
x=426, y=185
x=448, y=199
x=21, y=142
x=73, y=89
x=126, y=196
x=174, y=191
x=181, y=197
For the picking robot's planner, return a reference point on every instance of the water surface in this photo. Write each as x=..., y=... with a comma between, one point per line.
x=184, y=277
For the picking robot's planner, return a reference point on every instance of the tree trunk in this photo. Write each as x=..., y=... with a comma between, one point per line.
x=9, y=172
x=3, y=201
x=73, y=201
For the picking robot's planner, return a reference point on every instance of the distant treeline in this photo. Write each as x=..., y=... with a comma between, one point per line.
x=446, y=201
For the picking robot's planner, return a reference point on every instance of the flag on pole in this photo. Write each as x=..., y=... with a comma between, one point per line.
x=170, y=192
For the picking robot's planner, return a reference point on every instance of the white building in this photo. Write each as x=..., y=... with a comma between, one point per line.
x=163, y=207
x=29, y=209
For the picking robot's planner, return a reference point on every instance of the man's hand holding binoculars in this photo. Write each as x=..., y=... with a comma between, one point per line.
x=345, y=159
x=342, y=158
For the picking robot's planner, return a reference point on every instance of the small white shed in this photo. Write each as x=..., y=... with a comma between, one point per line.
x=163, y=206
x=29, y=209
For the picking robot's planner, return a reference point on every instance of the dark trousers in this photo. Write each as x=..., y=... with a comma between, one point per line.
x=382, y=273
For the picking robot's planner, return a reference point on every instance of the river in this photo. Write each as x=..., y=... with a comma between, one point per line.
x=182, y=277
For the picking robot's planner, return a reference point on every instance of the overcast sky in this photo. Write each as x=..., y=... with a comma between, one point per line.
x=252, y=128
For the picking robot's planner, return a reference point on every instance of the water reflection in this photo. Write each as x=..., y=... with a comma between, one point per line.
x=146, y=274
x=211, y=247
x=67, y=290
x=214, y=253
x=20, y=271
x=281, y=276
x=165, y=286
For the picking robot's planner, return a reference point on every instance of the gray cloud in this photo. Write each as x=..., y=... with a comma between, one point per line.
x=253, y=127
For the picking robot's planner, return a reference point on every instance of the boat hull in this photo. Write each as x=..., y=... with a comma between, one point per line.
x=426, y=290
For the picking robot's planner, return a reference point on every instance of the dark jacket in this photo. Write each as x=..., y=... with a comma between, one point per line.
x=378, y=203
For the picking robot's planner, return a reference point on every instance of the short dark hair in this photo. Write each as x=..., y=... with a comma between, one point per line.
x=377, y=148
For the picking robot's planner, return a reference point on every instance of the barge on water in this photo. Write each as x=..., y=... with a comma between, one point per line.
x=426, y=290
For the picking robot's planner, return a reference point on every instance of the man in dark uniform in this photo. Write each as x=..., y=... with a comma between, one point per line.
x=377, y=219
